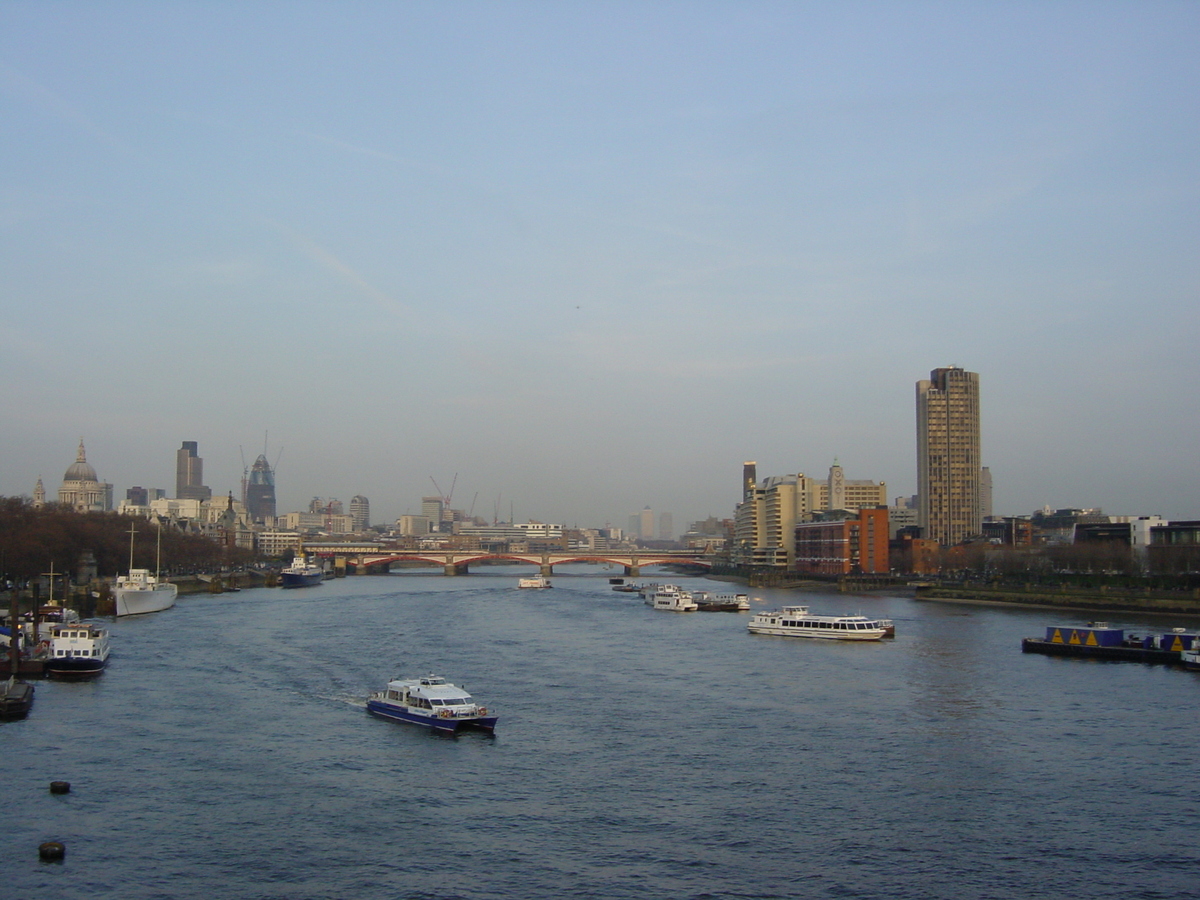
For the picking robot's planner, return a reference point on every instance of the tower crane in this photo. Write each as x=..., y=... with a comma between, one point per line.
x=444, y=497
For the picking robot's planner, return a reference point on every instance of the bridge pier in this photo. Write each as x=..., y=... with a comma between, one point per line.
x=546, y=570
x=633, y=571
x=455, y=569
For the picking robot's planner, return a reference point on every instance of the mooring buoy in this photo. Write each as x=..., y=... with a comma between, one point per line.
x=52, y=850
x=60, y=787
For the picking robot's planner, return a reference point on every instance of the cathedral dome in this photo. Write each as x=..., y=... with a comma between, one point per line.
x=81, y=469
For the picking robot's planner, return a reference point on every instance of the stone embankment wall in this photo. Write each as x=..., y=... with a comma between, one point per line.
x=1100, y=599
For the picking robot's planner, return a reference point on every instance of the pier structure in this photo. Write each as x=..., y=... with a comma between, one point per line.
x=458, y=562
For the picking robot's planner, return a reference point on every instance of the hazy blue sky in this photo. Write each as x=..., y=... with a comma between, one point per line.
x=592, y=256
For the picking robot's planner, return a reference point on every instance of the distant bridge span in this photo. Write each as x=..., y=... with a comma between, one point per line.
x=457, y=562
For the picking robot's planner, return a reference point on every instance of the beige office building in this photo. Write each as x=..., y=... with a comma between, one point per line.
x=948, y=456
x=765, y=521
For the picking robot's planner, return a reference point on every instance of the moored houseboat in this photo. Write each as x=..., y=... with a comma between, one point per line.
x=709, y=602
x=1098, y=640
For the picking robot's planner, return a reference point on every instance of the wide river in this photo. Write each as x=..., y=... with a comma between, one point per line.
x=227, y=754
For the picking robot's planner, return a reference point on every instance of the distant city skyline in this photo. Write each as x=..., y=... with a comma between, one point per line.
x=592, y=257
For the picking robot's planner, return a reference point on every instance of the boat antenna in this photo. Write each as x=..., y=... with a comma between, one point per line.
x=132, y=532
x=158, y=553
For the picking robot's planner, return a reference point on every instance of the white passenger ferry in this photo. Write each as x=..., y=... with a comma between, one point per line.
x=430, y=701
x=669, y=597
x=536, y=582
x=78, y=650
x=796, y=621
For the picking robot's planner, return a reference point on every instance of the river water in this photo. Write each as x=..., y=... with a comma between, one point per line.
x=226, y=753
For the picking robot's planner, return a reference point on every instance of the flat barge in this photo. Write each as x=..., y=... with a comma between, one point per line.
x=1097, y=640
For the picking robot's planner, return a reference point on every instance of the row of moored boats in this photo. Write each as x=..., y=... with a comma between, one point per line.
x=791, y=621
x=53, y=640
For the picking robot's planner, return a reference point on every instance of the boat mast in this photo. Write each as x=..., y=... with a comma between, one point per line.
x=132, y=532
x=49, y=602
x=158, y=553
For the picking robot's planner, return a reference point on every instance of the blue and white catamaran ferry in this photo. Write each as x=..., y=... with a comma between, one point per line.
x=430, y=701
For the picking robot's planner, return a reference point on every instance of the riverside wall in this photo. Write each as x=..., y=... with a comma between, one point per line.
x=1092, y=600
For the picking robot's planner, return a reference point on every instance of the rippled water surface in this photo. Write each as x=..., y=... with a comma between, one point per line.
x=640, y=754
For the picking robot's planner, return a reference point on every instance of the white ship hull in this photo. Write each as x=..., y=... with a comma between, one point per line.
x=139, y=600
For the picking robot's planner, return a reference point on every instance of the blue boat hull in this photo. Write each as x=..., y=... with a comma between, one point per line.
x=399, y=714
x=292, y=580
x=75, y=667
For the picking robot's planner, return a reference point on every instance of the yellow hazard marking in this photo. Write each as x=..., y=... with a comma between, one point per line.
x=1075, y=638
x=1056, y=638
x=1091, y=641
x=1178, y=645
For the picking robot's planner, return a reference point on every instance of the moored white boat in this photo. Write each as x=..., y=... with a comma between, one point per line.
x=796, y=621
x=45, y=617
x=536, y=582
x=140, y=592
x=79, y=650
x=670, y=598
x=1190, y=659
x=430, y=701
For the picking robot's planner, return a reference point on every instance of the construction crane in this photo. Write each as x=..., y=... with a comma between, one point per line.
x=444, y=497
x=245, y=472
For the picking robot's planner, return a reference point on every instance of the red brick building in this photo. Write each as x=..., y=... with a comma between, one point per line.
x=843, y=547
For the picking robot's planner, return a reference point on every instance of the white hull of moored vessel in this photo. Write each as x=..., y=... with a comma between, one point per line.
x=140, y=593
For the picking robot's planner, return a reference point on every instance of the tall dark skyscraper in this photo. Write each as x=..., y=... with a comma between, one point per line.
x=189, y=474
x=360, y=513
x=259, y=490
x=948, y=456
x=749, y=479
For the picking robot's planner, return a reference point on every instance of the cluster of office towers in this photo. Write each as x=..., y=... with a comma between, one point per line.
x=953, y=489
